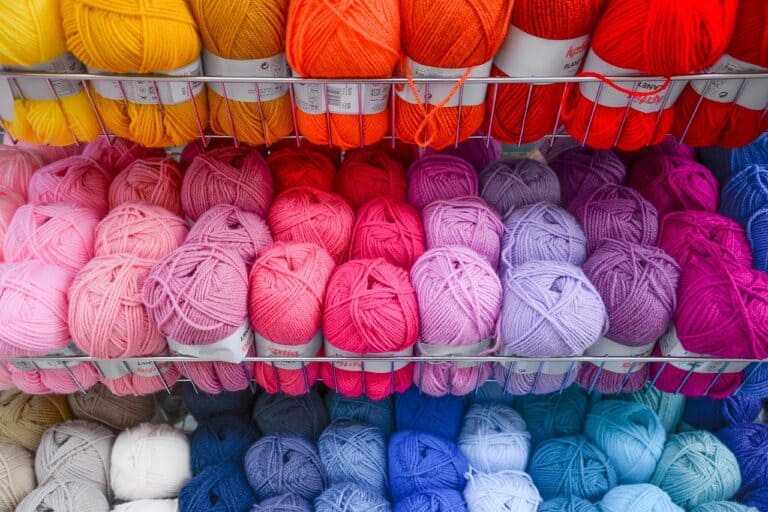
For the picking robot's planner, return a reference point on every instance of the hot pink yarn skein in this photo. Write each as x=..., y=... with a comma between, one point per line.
x=229, y=226
x=140, y=229
x=60, y=234
x=459, y=298
x=388, y=229
x=17, y=165
x=436, y=176
x=115, y=154
x=152, y=180
x=76, y=179
x=10, y=201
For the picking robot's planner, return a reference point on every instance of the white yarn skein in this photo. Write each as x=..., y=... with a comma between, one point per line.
x=494, y=438
x=72, y=496
x=17, y=474
x=148, y=506
x=150, y=462
x=507, y=490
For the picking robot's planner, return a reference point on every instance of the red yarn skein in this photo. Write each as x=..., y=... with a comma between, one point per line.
x=151, y=180
x=301, y=167
x=388, y=229
x=369, y=173
x=141, y=229
x=76, y=179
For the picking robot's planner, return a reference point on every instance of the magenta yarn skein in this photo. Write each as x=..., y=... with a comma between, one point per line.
x=434, y=177
x=515, y=182
x=582, y=170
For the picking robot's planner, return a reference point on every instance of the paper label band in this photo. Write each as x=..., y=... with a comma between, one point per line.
x=232, y=349
x=612, y=97
x=752, y=94
x=368, y=366
x=547, y=368
x=44, y=89
x=272, y=67
x=341, y=98
x=435, y=94
x=148, y=92
x=114, y=369
x=670, y=346
x=605, y=347
x=473, y=349
x=267, y=348
x=70, y=350
x=523, y=54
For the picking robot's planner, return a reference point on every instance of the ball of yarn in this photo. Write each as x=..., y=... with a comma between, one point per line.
x=226, y=225
x=748, y=442
x=366, y=174
x=151, y=180
x=60, y=234
x=382, y=318
x=17, y=474
x=236, y=176
x=65, y=495
x=637, y=497
x=488, y=492
x=24, y=418
x=301, y=167
x=283, y=503
x=479, y=152
x=441, y=416
x=140, y=229
x=361, y=409
x=279, y=464
x=50, y=154
x=711, y=414
x=221, y=487
x=669, y=145
x=756, y=380
x=435, y=500
x=667, y=406
x=421, y=462
x=204, y=405
x=618, y=213
x=541, y=231
x=554, y=415
x=115, y=154
x=467, y=222
x=515, y=182
x=351, y=452
x=148, y=506
x=724, y=506
x=199, y=147
x=434, y=177
x=549, y=309
x=757, y=233
x=350, y=496
x=745, y=193
x=75, y=179
x=727, y=161
x=695, y=468
x=10, y=201
x=563, y=504
x=494, y=438
x=581, y=170
x=76, y=450
x=571, y=466
x=491, y=393
x=305, y=214
x=119, y=413
x=304, y=416
x=388, y=229
x=536, y=378
x=150, y=461
x=17, y=167
x=221, y=439
x=757, y=499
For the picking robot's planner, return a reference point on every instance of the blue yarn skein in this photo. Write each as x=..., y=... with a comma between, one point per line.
x=436, y=500
x=757, y=233
x=710, y=414
x=419, y=462
x=505, y=490
x=491, y=393
x=283, y=463
x=203, y=405
x=630, y=434
x=757, y=499
x=283, y=503
x=667, y=406
x=350, y=497
x=726, y=162
x=441, y=416
x=756, y=380
x=571, y=466
x=221, y=439
x=220, y=488
x=354, y=452
x=745, y=193
x=563, y=504
x=555, y=414
x=637, y=498
x=724, y=506
x=494, y=438
x=303, y=415
x=749, y=443
x=695, y=468
x=379, y=413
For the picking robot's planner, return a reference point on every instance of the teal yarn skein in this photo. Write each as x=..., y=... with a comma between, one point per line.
x=630, y=434
x=724, y=506
x=696, y=468
x=505, y=490
x=571, y=466
x=353, y=452
x=669, y=407
x=637, y=498
x=555, y=414
x=563, y=504
x=494, y=438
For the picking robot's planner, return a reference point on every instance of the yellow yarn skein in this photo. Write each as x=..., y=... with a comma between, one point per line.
x=245, y=30
x=136, y=36
x=31, y=34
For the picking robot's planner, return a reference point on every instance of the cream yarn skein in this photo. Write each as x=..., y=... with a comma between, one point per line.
x=17, y=474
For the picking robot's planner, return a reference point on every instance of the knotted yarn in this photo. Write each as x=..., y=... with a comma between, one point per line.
x=222, y=439
x=226, y=225
x=494, y=438
x=118, y=413
x=24, y=418
x=712, y=414
x=304, y=166
x=351, y=496
x=309, y=215
x=370, y=308
x=745, y=193
x=115, y=154
x=17, y=474
x=515, y=182
x=279, y=464
x=489, y=492
x=459, y=298
x=152, y=180
x=304, y=416
x=637, y=498
x=441, y=416
x=61, y=495
x=421, y=462
x=571, y=466
x=283, y=503
x=366, y=174
x=10, y=201
x=219, y=488
x=435, y=177
x=18, y=165
x=361, y=409
x=467, y=222
x=435, y=500
x=480, y=152
x=748, y=443
x=757, y=233
x=385, y=228
x=668, y=407
x=724, y=506
x=204, y=405
x=75, y=179
x=582, y=170
x=563, y=504
x=351, y=452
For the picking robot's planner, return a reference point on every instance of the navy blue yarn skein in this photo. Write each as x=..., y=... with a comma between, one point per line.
x=727, y=162
x=354, y=452
x=379, y=413
x=283, y=503
x=710, y=414
x=350, y=497
x=441, y=416
x=303, y=415
x=757, y=499
x=203, y=405
x=745, y=193
x=221, y=439
x=220, y=488
x=436, y=500
x=749, y=443
x=563, y=504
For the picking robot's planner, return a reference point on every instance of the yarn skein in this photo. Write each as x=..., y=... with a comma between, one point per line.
x=724, y=506
x=572, y=504
x=351, y=452
x=65, y=495
x=366, y=174
x=171, y=505
x=152, y=180
x=18, y=165
x=283, y=503
x=10, y=201
x=304, y=416
x=668, y=407
x=515, y=182
x=441, y=416
x=24, y=418
x=480, y=152
x=17, y=476
x=747, y=442
x=75, y=179
x=581, y=170
x=711, y=414
x=222, y=439
x=115, y=154
x=219, y=488
x=434, y=177
x=435, y=500
x=637, y=497
x=379, y=413
x=226, y=225
x=119, y=413
x=494, y=438
x=350, y=496
x=305, y=166
x=488, y=492
x=744, y=193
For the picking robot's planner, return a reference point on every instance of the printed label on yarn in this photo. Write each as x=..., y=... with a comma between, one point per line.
x=605, y=347
x=341, y=98
x=272, y=67
x=268, y=348
x=473, y=349
x=548, y=367
x=151, y=92
x=114, y=369
x=670, y=346
x=45, y=89
x=523, y=54
x=232, y=349
x=752, y=94
x=609, y=96
x=70, y=350
x=368, y=366
x=469, y=94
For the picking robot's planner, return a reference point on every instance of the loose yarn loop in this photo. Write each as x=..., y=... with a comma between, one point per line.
x=636, y=498
x=115, y=154
x=119, y=413
x=152, y=180
x=306, y=166
x=222, y=487
x=361, y=409
x=305, y=214
x=225, y=225
x=494, y=438
x=223, y=439
x=10, y=201
x=435, y=500
x=350, y=496
x=515, y=182
x=303, y=416
x=513, y=490
x=352, y=452
x=572, y=504
x=581, y=170
x=65, y=495
x=366, y=174
x=74, y=179
x=283, y=503
x=17, y=474
x=745, y=193
x=747, y=442
x=435, y=177
x=388, y=229
x=18, y=165
x=24, y=418
x=459, y=298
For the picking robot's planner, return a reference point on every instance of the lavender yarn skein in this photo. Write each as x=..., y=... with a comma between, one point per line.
x=582, y=170
x=435, y=177
x=283, y=503
x=349, y=497
x=515, y=182
x=351, y=452
x=280, y=464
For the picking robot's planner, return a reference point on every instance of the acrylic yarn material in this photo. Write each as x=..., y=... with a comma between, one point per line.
x=24, y=418
x=434, y=177
x=581, y=170
x=75, y=179
x=480, y=152
x=115, y=154
x=745, y=193
x=18, y=165
x=361, y=409
x=118, y=413
x=221, y=439
x=515, y=182
x=17, y=474
x=757, y=233
x=153, y=180
x=488, y=492
x=283, y=503
x=227, y=225
x=366, y=174
x=306, y=166
x=304, y=415
x=712, y=414
x=668, y=407
x=748, y=442
x=204, y=405
x=441, y=416
x=636, y=498
x=350, y=496
x=219, y=488
x=494, y=438
x=554, y=415
x=65, y=495
x=10, y=201
x=388, y=229
x=724, y=506
x=171, y=505
x=563, y=504
x=435, y=500
x=351, y=452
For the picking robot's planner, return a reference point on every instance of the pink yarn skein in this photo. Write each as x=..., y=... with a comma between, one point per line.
x=388, y=229
x=75, y=179
x=437, y=176
x=152, y=180
x=140, y=229
x=43, y=382
x=146, y=382
x=17, y=165
x=115, y=154
x=10, y=201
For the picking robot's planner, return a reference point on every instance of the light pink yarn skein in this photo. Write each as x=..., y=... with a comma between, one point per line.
x=141, y=229
x=10, y=201
x=151, y=180
x=75, y=179
x=17, y=165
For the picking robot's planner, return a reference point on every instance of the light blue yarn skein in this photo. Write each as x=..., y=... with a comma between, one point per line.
x=630, y=434
x=572, y=504
x=379, y=413
x=724, y=506
x=494, y=438
x=350, y=497
x=637, y=498
x=505, y=490
x=353, y=452
x=555, y=414
x=668, y=407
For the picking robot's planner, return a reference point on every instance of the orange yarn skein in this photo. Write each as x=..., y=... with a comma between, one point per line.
x=343, y=39
x=447, y=34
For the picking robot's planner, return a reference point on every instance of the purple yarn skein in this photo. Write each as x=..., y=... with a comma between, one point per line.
x=475, y=151
x=515, y=182
x=582, y=170
x=434, y=177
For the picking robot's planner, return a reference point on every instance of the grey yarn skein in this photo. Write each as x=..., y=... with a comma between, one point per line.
x=71, y=496
x=17, y=474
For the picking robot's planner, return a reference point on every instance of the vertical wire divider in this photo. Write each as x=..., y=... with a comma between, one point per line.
x=685, y=379
x=360, y=115
x=492, y=115
x=392, y=387
x=537, y=377
x=248, y=378
x=477, y=380
x=626, y=378
x=392, y=118
x=74, y=378
x=200, y=124
x=63, y=110
x=364, y=379
x=719, y=374
x=765, y=113
x=627, y=110
x=98, y=370
x=457, y=134
x=737, y=97
x=567, y=376
x=696, y=108
x=420, y=375
x=328, y=127
x=427, y=109
x=292, y=97
x=230, y=117
x=304, y=374
x=592, y=114
x=509, y=376
x=659, y=115
x=14, y=140
x=262, y=118
x=594, y=379
x=658, y=373
x=558, y=116
x=99, y=119
x=335, y=377
x=524, y=119
x=162, y=378
x=747, y=376
x=192, y=382
x=276, y=375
